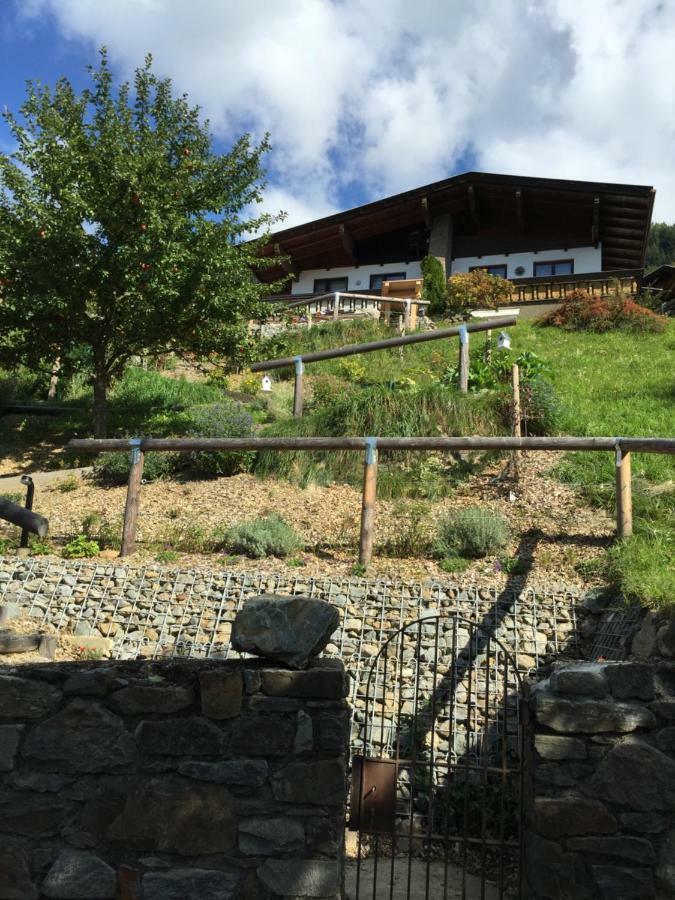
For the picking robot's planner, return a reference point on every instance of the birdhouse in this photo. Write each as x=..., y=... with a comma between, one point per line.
x=267, y=384
x=503, y=341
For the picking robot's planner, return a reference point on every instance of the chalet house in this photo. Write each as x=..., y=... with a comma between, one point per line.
x=545, y=235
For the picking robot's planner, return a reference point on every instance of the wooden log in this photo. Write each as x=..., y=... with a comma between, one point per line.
x=368, y=504
x=18, y=643
x=463, y=360
x=624, y=497
x=500, y=442
x=26, y=519
x=371, y=346
x=133, y=499
x=298, y=389
x=47, y=646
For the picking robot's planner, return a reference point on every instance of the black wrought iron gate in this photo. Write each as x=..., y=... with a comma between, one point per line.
x=437, y=776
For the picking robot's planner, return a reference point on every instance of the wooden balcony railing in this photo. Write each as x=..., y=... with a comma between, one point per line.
x=557, y=287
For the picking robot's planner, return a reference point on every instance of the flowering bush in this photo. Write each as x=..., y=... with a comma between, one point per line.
x=477, y=288
x=581, y=311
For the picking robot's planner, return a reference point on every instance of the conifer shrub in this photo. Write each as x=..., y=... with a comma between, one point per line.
x=434, y=287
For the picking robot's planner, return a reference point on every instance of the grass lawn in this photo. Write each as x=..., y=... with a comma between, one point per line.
x=621, y=384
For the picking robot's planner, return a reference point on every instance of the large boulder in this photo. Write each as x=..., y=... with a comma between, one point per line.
x=290, y=630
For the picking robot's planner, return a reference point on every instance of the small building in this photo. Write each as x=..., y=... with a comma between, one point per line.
x=545, y=235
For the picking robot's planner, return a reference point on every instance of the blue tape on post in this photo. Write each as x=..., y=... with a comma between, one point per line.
x=135, y=444
x=619, y=452
x=463, y=335
x=299, y=367
x=371, y=447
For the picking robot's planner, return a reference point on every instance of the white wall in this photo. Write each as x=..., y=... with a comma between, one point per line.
x=305, y=282
x=586, y=259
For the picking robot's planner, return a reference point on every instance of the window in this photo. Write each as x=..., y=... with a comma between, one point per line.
x=500, y=270
x=329, y=285
x=376, y=280
x=555, y=267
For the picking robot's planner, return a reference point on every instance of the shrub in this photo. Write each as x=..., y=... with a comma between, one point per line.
x=105, y=532
x=113, y=468
x=267, y=536
x=80, y=547
x=541, y=411
x=71, y=483
x=472, y=532
x=453, y=564
x=327, y=389
x=167, y=556
x=12, y=497
x=221, y=420
x=581, y=311
x=485, y=375
x=540, y=407
x=434, y=287
x=477, y=288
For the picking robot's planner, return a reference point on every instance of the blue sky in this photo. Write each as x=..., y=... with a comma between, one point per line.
x=364, y=98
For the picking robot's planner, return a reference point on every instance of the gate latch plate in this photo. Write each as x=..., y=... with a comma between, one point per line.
x=373, y=796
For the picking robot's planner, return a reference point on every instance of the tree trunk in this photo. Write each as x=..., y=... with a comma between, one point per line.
x=100, y=406
x=54, y=380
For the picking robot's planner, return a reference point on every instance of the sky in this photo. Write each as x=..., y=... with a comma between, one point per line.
x=365, y=98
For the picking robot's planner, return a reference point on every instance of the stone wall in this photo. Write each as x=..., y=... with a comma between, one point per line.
x=603, y=813
x=172, y=780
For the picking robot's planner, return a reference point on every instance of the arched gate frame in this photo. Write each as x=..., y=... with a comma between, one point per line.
x=438, y=775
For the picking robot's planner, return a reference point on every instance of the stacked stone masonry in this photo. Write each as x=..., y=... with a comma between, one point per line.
x=603, y=817
x=172, y=780
x=157, y=612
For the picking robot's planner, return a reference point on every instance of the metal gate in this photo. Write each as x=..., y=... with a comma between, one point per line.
x=437, y=776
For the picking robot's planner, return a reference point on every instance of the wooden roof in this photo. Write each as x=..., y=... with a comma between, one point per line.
x=618, y=215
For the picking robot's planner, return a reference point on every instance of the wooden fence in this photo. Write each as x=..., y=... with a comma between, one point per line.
x=620, y=446
x=460, y=331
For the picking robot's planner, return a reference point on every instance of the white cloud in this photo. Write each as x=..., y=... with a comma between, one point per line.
x=392, y=94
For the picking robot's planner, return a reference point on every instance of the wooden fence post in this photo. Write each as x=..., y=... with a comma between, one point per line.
x=515, y=381
x=298, y=392
x=624, y=498
x=368, y=502
x=133, y=498
x=487, y=353
x=463, y=359
x=406, y=316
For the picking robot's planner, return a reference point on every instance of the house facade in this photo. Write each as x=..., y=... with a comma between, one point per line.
x=529, y=230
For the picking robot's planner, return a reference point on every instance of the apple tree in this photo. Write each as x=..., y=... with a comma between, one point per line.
x=123, y=233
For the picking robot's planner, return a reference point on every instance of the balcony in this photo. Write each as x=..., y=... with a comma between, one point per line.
x=557, y=287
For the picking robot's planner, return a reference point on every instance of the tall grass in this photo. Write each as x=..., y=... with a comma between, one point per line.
x=385, y=412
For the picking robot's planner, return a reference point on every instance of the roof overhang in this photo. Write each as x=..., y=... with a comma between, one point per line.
x=616, y=215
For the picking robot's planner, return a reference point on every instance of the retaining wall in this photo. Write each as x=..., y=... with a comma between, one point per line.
x=603, y=765
x=172, y=780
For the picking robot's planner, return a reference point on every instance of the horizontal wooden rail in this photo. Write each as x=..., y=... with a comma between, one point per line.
x=621, y=446
x=499, y=442
x=371, y=346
